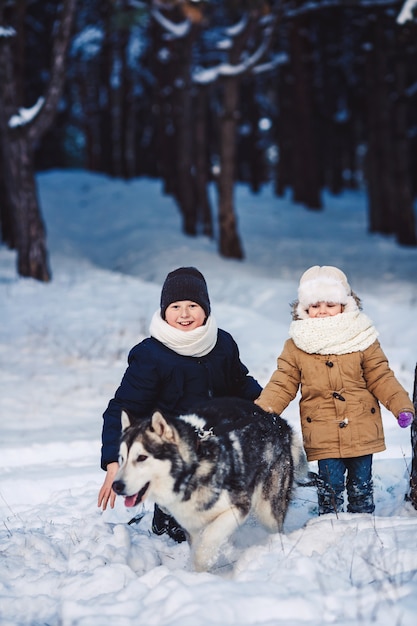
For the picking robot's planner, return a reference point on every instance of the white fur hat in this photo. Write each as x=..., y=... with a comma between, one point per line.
x=324, y=284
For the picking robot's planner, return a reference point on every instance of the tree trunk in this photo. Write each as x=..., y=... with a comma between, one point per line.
x=17, y=147
x=256, y=162
x=283, y=176
x=6, y=223
x=305, y=172
x=379, y=157
x=20, y=214
x=254, y=39
x=229, y=241
x=162, y=108
x=130, y=130
x=204, y=214
x=29, y=227
x=183, y=119
x=405, y=222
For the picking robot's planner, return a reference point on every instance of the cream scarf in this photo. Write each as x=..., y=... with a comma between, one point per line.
x=197, y=342
x=340, y=334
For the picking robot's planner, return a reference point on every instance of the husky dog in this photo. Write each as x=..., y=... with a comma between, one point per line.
x=209, y=469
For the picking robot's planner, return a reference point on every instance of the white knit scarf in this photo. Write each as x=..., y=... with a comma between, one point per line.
x=197, y=342
x=339, y=334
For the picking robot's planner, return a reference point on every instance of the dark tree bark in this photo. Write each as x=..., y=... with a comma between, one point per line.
x=283, y=176
x=255, y=153
x=116, y=93
x=182, y=127
x=17, y=148
x=305, y=172
x=184, y=124
x=405, y=225
x=162, y=107
x=202, y=164
x=413, y=474
x=23, y=215
x=229, y=240
x=6, y=224
x=379, y=157
x=390, y=190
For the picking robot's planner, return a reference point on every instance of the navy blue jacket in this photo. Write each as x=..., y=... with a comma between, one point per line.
x=158, y=378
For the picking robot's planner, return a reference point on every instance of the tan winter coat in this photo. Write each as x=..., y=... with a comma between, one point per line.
x=339, y=409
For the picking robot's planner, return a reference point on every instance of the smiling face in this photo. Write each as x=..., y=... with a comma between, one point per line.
x=324, y=309
x=185, y=315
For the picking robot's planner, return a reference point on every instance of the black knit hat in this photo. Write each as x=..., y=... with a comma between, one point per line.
x=185, y=283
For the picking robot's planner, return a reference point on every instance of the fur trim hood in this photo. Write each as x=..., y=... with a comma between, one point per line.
x=324, y=283
x=299, y=313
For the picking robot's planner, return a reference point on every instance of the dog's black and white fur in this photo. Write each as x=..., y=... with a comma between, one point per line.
x=210, y=469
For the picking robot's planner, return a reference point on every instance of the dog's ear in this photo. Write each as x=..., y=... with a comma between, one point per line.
x=125, y=421
x=162, y=428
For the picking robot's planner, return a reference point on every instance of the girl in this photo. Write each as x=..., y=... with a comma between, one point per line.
x=334, y=355
x=186, y=360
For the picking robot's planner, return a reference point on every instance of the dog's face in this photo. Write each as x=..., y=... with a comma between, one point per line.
x=141, y=473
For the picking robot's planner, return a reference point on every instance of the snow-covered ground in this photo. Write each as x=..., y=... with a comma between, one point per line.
x=63, y=349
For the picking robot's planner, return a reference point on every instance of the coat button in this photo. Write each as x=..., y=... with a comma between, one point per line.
x=329, y=363
x=373, y=410
x=309, y=420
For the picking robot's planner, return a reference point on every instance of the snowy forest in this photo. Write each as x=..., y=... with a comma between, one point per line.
x=251, y=139
x=308, y=95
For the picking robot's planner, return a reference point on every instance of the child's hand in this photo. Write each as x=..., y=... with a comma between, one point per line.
x=107, y=495
x=405, y=418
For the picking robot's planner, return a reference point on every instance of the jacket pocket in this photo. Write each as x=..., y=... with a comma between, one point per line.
x=319, y=432
x=369, y=422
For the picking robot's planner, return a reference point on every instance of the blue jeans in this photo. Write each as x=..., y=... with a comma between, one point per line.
x=359, y=485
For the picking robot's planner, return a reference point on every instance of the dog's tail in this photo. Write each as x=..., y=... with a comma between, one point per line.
x=303, y=477
x=299, y=459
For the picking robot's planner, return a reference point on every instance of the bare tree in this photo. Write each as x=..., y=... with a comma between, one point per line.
x=251, y=40
x=20, y=130
x=306, y=178
x=175, y=31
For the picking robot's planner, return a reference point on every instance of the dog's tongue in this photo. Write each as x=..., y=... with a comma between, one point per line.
x=131, y=500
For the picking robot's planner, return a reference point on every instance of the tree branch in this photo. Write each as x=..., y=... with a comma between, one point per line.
x=43, y=120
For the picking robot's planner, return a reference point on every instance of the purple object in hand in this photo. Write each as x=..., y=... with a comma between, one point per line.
x=405, y=418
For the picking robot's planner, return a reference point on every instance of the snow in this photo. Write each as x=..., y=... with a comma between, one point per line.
x=7, y=31
x=406, y=13
x=206, y=76
x=25, y=116
x=177, y=30
x=88, y=43
x=63, y=349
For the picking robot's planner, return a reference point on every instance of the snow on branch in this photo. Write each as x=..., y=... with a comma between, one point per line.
x=88, y=43
x=177, y=30
x=25, y=116
x=7, y=31
x=239, y=27
x=281, y=58
x=209, y=75
x=406, y=13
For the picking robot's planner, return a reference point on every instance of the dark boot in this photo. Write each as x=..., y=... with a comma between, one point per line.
x=164, y=523
x=359, y=485
x=331, y=486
